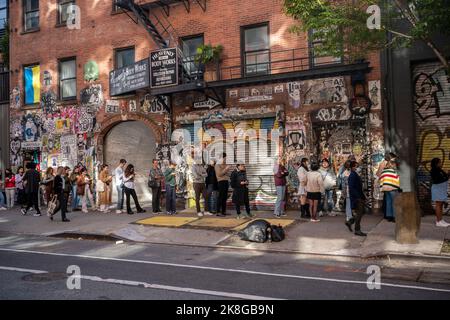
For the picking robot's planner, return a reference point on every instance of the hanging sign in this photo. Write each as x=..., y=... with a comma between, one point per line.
x=164, y=68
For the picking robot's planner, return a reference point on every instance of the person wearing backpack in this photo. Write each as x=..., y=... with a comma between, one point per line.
x=239, y=184
x=155, y=178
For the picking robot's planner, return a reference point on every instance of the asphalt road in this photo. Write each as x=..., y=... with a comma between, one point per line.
x=33, y=267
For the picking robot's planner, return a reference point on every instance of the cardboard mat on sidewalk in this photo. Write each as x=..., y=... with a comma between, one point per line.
x=166, y=221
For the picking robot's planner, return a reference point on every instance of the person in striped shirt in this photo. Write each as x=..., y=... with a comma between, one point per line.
x=390, y=185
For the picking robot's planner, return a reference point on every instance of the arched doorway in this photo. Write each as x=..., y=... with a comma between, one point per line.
x=135, y=142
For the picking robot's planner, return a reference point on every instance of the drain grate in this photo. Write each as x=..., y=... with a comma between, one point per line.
x=86, y=236
x=45, y=277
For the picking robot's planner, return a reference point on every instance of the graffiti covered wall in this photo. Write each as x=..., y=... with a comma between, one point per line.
x=431, y=87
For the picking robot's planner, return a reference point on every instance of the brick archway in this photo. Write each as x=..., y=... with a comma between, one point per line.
x=110, y=122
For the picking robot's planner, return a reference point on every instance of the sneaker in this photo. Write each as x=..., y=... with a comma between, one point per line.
x=2, y=208
x=199, y=214
x=169, y=213
x=320, y=214
x=85, y=211
x=283, y=214
x=238, y=217
x=442, y=223
x=118, y=211
x=24, y=211
x=159, y=212
x=36, y=215
x=315, y=220
x=277, y=216
x=207, y=213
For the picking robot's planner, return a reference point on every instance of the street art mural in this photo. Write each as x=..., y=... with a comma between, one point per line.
x=92, y=97
x=15, y=98
x=91, y=71
x=375, y=94
x=323, y=91
x=431, y=87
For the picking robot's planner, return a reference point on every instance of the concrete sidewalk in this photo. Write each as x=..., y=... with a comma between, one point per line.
x=329, y=237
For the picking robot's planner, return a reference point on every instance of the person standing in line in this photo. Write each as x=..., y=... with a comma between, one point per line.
x=129, y=188
x=314, y=190
x=199, y=176
x=105, y=180
x=2, y=196
x=32, y=181
x=329, y=183
x=59, y=188
x=84, y=190
x=357, y=197
x=170, y=182
x=10, y=188
x=280, y=174
x=118, y=178
x=390, y=185
x=155, y=179
x=222, y=174
x=439, y=190
x=239, y=184
x=343, y=178
x=212, y=187
x=48, y=184
x=73, y=183
x=301, y=173
x=21, y=195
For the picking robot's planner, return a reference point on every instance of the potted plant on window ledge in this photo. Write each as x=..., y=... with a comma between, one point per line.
x=209, y=56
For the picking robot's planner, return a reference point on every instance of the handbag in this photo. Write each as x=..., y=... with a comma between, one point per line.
x=100, y=186
x=53, y=205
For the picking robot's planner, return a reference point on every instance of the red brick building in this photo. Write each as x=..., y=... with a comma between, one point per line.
x=63, y=110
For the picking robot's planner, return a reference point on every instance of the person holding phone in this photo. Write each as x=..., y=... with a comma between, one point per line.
x=169, y=177
x=129, y=188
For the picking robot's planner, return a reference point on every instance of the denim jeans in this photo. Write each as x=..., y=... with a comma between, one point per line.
x=75, y=198
x=348, y=209
x=2, y=200
x=328, y=199
x=211, y=196
x=279, y=205
x=120, y=193
x=170, y=199
x=390, y=196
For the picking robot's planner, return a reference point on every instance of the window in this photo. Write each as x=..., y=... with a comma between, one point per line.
x=32, y=83
x=190, y=45
x=31, y=14
x=256, y=50
x=316, y=59
x=63, y=7
x=67, y=79
x=3, y=15
x=124, y=57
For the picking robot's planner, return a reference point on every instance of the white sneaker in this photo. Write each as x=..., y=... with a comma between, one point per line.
x=442, y=223
x=36, y=215
x=118, y=211
x=200, y=214
x=208, y=213
x=85, y=211
x=3, y=208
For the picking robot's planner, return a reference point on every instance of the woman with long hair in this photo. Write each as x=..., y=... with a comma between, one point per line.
x=47, y=182
x=314, y=190
x=301, y=173
x=129, y=186
x=104, y=188
x=439, y=190
x=10, y=188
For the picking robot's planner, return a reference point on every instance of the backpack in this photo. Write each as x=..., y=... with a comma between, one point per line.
x=256, y=231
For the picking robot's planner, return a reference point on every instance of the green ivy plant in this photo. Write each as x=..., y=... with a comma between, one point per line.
x=208, y=53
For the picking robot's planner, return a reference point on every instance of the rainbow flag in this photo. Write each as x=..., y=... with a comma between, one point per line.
x=32, y=85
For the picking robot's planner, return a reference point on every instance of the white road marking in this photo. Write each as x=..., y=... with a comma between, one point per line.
x=280, y=275
x=153, y=286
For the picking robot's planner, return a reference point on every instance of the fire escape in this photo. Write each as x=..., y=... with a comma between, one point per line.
x=160, y=29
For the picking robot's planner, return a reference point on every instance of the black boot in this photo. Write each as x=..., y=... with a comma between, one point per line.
x=302, y=211
x=307, y=214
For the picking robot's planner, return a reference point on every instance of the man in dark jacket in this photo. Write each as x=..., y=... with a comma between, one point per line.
x=31, y=180
x=239, y=184
x=357, y=199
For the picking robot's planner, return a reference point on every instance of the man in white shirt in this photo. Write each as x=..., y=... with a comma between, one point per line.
x=118, y=177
